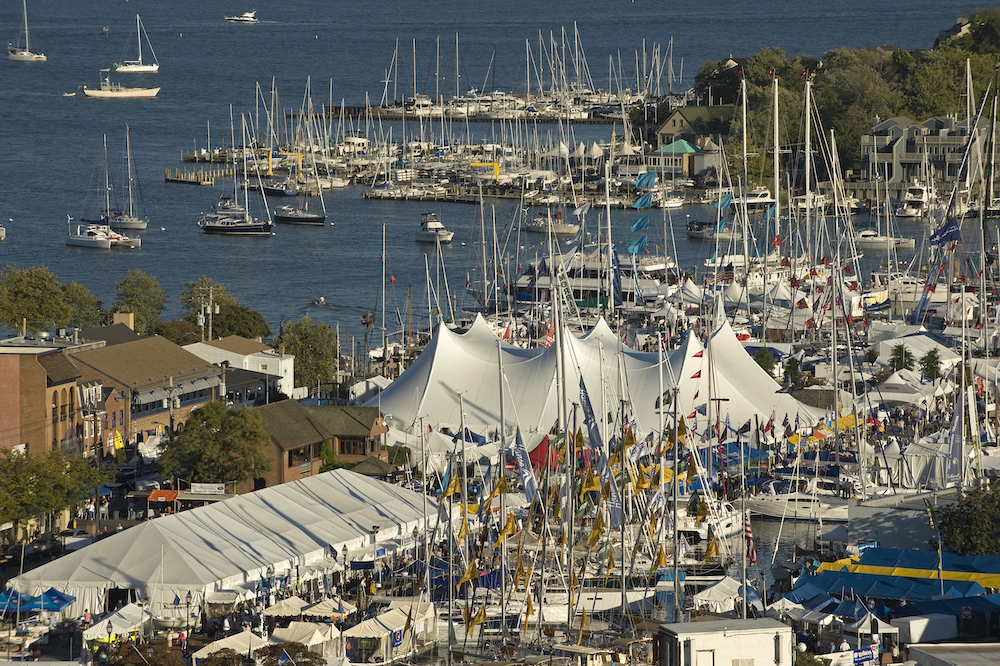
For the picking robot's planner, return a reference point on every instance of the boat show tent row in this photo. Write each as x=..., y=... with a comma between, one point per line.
x=470, y=364
x=302, y=528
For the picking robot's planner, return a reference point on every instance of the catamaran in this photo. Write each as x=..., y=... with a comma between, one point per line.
x=138, y=66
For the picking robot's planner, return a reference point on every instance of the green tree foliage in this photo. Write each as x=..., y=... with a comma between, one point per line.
x=765, y=359
x=329, y=457
x=930, y=364
x=142, y=295
x=158, y=654
x=314, y=345
x=227, y=657
x=233, y=318
x=84, y=306
x=36, y=484
x=791, y=370
x=901, y=358
x=178, y=331
x=31, y=295
x=972, y=527
x=270, y=655
x=218, y=445
x=399, y=456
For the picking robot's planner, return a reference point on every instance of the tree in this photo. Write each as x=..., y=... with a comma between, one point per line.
x=399, y=456
x=219, y=445
x=270, y=655
x=791, y=370
x=179, y=331
x=238, y=319
x=197, y=295
x=226, y=657
x=142, y=295
x=314, y=345
x=930, y=364
x=972, y=527
x=84, y=306
x=33, y=297
x=901, y=358
x=158, y=653
x=329, y=457
x=765, y=359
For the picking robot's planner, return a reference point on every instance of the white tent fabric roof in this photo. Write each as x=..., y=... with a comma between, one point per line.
x=227, y=543
x=307, y=633
x=331, y=608
x=123, y=621
x=721, y=597
x=453, y=364
x=288, y=607
x=241, y=643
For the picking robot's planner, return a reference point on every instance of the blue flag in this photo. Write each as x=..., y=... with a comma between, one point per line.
x=524, y=465
x=284, y=659
x=637, y=246
x=582, y=209
x=946, y=233
x=724, y=202
x=641, y=223
x=646, y=180
x=614, y=500
x=645, y=201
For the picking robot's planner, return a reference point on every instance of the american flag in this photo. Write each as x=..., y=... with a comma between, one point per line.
x=725, y=275
x=751, y=550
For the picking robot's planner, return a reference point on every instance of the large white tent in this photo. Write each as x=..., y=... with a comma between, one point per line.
x=468, y=364
x=228, y=544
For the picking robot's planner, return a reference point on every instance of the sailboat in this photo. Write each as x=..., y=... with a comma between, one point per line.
x=127, y=217
x=231, y=218
x=138, y=66
x=109, y=89
x=16, y=52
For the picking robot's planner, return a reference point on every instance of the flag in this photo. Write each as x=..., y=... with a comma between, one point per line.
x=478, y=618
x=597, y=530
x=452, y=486
x=283, y=659
x=550, y=336
x=510, y=527
x=785, y=263
x=802, y=304
x=696, y=375
x=637, y=246
x=682, y=546
x=590, y=483
x=751, y=553
x=645, y=201
x=646, y=180
x=946, y=233
x=582, y=209
x=524, y=465
x=640, y=224
x=660, y=561
x=724, y=202
x=769, y=427
x=614, y=503
x=804, y=73
x=712, y=550
x=471, y=573
x=726, y=274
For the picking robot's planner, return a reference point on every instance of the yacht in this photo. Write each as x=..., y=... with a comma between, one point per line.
x=915, y=202
x=432, y=231
x=245, y=17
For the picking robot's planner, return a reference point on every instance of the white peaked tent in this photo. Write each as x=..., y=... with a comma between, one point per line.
x=317, y=636
x=454, y=364
x=124, y=621
x=688, y=293
x=226, y=544
x=722, y=596
x=290, y=607
x=581, y=151
x=241, y=643
x=595, y=151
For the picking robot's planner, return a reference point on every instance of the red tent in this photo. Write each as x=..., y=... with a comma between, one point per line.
x=538, y=454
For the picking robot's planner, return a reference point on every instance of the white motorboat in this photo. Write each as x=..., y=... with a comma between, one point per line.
x=98, y=236
x=869, y=239
x=755, y=199
x=915, y=202
x=245, y=17
x=432, y=231
x=814, y=502
x=138, y=66
x=24, y=54
x=720, y=230
x=109, y=89
x=547, y=222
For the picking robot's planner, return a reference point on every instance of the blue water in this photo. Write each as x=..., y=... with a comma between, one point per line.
x=52, y=143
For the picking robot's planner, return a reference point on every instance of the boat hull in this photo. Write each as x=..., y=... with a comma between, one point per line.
x=295, y=216
x=430, y=237
x=20, y=55
x=799, y=506
x=235, y=227
x=136, y=68
x=125, y=93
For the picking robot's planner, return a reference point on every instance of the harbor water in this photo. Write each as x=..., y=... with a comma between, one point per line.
x=211, y=68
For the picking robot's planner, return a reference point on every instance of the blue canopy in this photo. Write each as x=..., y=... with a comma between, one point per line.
x=51, y=600
x=986, y=603
x=876, y=586
x=11, y=601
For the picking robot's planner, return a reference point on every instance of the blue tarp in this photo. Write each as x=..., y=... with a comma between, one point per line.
x=11, y=601
x=852, y=608
x=847, y=584
x=804, y=591
x=984, y=603
x=919, y=559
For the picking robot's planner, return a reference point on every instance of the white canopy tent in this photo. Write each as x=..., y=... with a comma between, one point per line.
x=127, y=619
x=241, y=643
x=289, y=607
x=225, y=544
x=723, y=596
x=318, y=636
x=454, y=364
x=331, y=608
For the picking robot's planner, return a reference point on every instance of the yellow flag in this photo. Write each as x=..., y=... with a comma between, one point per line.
x=510, y=528
x=590, y=483
x=573, y=580
x=681, y=430
x=527, y=579
x=471, y=573
x=472, y=508
x=531, y=608
x=605, y=491
x=702, y=512
x=629, y=439
x=598, y=529
x=652, y=527
x=464, y=531
x=478, y=618
x=518, y=574
x=642, y=481
x=711, y=551
x=661, y=559
x=692, y=472
x=585, y=622
x=579, y=438
x=611, y=558
x=500, y=487
x=452, y=486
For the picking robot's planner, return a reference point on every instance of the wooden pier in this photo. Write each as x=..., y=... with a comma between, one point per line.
x=197, y=176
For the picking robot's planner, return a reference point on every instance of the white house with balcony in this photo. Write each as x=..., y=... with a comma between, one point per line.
x=247, y=354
